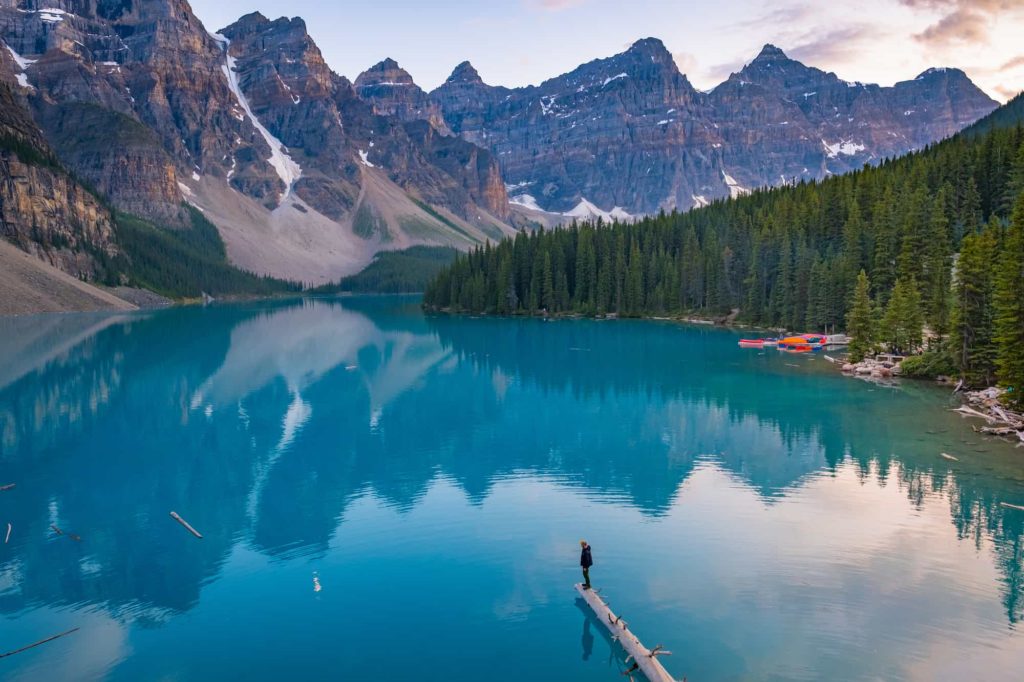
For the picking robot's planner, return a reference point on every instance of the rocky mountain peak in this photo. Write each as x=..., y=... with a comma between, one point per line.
x=651, y=47
x=465, y=73
x=386, y=72
x=942, y=72
x=770, y=53
x=392, y=92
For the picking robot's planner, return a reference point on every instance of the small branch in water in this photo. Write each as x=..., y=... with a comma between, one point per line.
x=42, y=641
x=7, y=487
x=76, y=538
x=190, y=529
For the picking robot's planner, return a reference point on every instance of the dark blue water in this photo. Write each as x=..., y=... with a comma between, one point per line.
x=761, y=516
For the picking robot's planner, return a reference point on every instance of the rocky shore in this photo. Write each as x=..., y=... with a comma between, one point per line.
x=987, y=404
x=873, y=368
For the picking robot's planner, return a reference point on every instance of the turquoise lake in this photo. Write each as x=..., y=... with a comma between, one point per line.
x=761, y=516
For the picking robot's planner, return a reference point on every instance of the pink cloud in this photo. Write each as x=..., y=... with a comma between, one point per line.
x=964, y=21
x=556, y=5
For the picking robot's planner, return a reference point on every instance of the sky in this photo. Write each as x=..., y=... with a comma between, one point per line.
x=523, y=42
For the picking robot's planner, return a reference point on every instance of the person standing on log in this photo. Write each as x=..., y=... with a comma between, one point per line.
x=586, y=561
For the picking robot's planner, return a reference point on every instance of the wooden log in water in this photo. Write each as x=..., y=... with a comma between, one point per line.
x=9, y=528
x=42, y=641
x=189, y=528
x=7, y=487
x=949, y=457
x=1012, y=506
x=646, y=659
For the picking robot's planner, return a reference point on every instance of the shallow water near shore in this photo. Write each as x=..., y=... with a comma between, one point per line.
x=385, y=495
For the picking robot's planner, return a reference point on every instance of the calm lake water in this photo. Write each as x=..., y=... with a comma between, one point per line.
x=760, y=516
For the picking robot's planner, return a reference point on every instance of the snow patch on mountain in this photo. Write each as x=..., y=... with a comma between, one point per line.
x=735, y=189
x=845, y=147
x=585, y=210
x=614, y=78
x=287, y=169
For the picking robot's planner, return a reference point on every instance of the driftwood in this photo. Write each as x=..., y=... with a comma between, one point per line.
x=42, y=641
x=971, y=412
x=646, y=660
x=189, y=528
x=1011, y=506
x=7, y=487
x=949, y=457
x=9, y=528
x=76, y=538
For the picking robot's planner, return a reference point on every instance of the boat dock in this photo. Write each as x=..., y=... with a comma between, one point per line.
x=646, y=660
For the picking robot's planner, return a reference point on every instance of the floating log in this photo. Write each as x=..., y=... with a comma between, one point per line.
x=58, y=531
x=645, y=659
x=9, y=528
x=42, y=641
x=189, y=528
x=7, y=487
x=1011, y=506
x=949, y=457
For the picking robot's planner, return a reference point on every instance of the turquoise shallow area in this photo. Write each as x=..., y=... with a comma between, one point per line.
x=759, y=515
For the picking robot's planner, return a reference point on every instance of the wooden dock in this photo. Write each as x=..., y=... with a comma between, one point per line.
x=645, y=659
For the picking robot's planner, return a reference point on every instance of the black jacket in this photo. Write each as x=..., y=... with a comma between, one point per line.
x=586, y=561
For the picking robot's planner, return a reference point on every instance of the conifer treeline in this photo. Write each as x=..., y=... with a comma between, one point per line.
x=786, y=257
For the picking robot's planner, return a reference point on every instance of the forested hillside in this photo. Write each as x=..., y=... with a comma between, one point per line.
x=790, y=257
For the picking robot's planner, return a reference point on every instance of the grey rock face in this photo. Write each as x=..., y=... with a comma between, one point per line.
x=631, y=131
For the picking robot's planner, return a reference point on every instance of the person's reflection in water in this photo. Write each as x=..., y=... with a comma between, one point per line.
x=587, y=640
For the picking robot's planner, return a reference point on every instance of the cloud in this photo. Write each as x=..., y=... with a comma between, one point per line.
x=554, y=5
x=1007, y=92
x=1013, y=63
x=963, y=21
x=839, y=46
x=686, y=62
x=963, y=25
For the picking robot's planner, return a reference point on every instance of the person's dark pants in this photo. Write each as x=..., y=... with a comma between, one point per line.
x=586, y=576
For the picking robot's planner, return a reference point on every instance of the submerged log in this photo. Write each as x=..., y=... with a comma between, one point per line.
x=7, y=487
x=42, y=641
x=646, y=659
x=1011, y=506
x=9, y=528
x=189, y=528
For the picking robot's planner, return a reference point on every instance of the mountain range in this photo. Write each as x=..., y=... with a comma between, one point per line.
x=113, y=107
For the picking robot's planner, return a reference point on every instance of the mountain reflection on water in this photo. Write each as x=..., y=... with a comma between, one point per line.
x=265, y=425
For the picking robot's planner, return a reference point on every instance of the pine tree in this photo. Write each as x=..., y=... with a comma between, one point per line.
x=972, y=331
x=901, y=325
x=547, y=284
x=1009, y=307
x=860, y=320
x=936, y=269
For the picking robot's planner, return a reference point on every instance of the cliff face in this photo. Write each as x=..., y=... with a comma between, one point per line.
x=393, y=93
x=42, y=209
x=631, y=132
x=250, y=125
x=327, y=127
